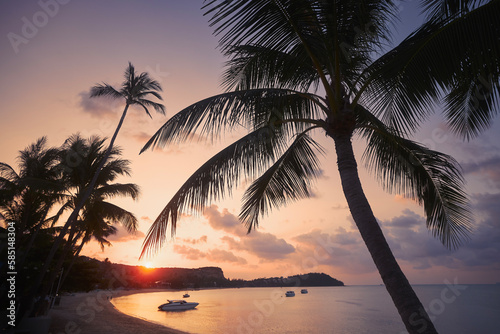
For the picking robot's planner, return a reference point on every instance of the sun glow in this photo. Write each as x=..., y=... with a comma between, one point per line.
x=148, y=265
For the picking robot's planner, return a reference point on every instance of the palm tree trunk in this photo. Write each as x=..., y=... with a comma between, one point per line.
x=72, y=239
x=73, y=260
x=70, y=222
x=406, y=301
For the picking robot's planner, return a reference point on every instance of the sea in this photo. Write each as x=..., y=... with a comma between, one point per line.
x=341, y=310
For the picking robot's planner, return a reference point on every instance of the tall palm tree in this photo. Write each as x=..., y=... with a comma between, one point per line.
x=301, y=67
x=136, y=90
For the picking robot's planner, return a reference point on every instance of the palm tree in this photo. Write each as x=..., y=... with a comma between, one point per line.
x=27, y=197
x=97, y=214
x=301, y=67
x=136, y=90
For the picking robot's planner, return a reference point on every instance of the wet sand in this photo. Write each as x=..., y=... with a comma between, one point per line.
x=94, y=313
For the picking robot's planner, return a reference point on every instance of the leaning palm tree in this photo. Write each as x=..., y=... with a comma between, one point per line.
x=299, y=68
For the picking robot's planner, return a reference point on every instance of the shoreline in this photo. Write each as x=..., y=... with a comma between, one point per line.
x=93, y=312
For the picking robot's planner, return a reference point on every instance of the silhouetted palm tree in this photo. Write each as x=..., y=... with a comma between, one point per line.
x=298, y=67
x=27, y=197
x=135, y=90
x=97, y=213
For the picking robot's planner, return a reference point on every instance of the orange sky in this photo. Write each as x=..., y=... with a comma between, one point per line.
x=53, y=52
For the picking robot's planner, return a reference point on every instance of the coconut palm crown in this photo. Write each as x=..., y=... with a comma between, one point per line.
x=135, y=89
x=303, y=67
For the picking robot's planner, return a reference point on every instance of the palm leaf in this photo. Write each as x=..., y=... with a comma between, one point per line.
x=287, y=180
x=242, y=160
x=105, y=90
x=448, y=8
x=404, y=84
x=228, y=111
x=118, y=189
x=431, y=178
x=115, y=213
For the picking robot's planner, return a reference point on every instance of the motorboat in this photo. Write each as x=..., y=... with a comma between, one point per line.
x=177, y=305
x=304, y=291
x=186, y=295
x=290, y=294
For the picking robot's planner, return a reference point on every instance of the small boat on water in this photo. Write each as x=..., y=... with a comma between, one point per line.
x=186, y=295
x=304, y=291
x=290, y=294
x=177, y=305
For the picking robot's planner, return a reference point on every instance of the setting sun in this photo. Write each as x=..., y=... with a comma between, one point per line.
x=148, y=265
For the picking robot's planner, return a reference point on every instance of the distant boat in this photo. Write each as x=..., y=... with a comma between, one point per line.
x=290, y=294
x=304, y=291
x=186, y=295
x=177, y=305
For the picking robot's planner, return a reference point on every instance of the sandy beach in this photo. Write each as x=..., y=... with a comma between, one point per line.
x=94, y=313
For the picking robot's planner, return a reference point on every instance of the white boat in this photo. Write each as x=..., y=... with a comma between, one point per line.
x=290, y=294
x=177, y=305
x=304, y=291
x=186, y=295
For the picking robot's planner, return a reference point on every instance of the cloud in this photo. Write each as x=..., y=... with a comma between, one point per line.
x=202, y=239
x=488, y=169
x=213, y=255
x=123, y=235
x=141, y=137
x=224, y=221
x=342, y=249
x=189, y=253
x=407, y=220
x=266, y=246
x=419, y=248
x=98, y=107
x=220, y=255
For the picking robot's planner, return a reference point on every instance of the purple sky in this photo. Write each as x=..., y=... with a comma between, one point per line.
x=53, y=52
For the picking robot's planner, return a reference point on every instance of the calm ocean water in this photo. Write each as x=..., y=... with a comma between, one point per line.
x=341, y=310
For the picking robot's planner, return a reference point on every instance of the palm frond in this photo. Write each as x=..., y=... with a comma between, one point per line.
x=253, y=66
x=159, y=108
x=215, y=179
x=287, y=180
x=117, y=214
x=431, y=178
x=7, y=174
x=448, y=8
x=405, y=83
x=118, y=189
x=472, y=104
x=228, y=111
x=105, y=90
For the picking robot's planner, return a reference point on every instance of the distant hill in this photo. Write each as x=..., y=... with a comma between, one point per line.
x=311, y=279
x=90, y=274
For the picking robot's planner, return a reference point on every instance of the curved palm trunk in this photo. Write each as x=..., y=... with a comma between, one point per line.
x=28, y=301
x=406, y=301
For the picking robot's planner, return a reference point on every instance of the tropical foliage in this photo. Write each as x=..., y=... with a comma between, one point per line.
x=50, y=183
x=301, y=67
